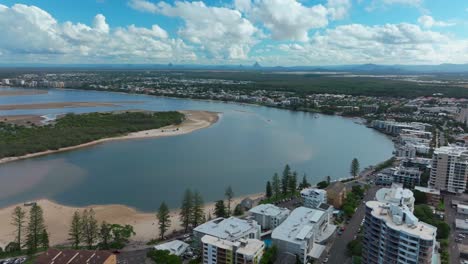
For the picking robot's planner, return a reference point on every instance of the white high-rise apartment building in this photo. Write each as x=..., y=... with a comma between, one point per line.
x=449, y=169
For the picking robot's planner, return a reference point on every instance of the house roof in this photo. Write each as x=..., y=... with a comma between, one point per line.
x=336, y=187
x=69, y=256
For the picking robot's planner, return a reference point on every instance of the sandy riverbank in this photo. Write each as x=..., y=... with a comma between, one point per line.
x=58, y=218
x=194, y=120
x=21, y=92
x=65, y=105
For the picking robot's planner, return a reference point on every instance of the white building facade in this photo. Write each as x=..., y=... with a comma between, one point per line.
x=269, y=216
x=313, y=197
x=449, y=169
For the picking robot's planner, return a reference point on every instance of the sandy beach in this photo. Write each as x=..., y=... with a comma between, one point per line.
x=58, y=218
x=64, y=105
x=22, y=92
x=194, y=120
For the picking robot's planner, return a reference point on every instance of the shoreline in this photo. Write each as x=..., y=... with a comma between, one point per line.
x=58, y=218
x=194, y=120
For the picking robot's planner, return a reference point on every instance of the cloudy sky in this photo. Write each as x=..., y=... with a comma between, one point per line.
x=272, y=32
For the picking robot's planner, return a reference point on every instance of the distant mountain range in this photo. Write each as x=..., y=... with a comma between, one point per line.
x=358, y=68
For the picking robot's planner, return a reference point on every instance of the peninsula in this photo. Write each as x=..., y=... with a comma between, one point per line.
x=76, y=131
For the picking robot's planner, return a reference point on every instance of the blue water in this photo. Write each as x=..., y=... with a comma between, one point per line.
x=243, y=150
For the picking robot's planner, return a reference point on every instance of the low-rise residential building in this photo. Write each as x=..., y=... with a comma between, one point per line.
x=302, y=232
x=449, y=170
x=385, y=177
x=313, y=197
x=269, y=216
x=231, y=229
x=68, y=256
x=432, y=195
x=406, y=151
x=462, y=209
x=396, y=194
x=336, y=194
x=221, y=251
x=407, y=176
x=175, y=247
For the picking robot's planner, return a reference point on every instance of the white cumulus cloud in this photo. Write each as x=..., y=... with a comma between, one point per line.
x=221, y=32
x=428, y=22
x=29, y=32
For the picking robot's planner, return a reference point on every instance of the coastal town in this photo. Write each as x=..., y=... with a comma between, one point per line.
x=408, y=209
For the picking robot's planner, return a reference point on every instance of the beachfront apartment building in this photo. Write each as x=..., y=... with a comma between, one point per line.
x=408, y=176
x=302, y=233
x=221, y=251
x=269, y=216
x=449, y=170
x=392, y=234
x=394, y=128
x=313, y=197
x=231, y=229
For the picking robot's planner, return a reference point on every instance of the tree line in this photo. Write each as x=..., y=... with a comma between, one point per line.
x=285, y=186
x=30, y=230
x=85, y=231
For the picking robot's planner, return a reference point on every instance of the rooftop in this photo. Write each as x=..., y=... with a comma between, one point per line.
x=227, y=228
x=336, y=187
x=247, y=247
x=391, y=214
x=312, y=191
x=395, y=195
x=427, y=190
x=176, y=247
x=269, y=209
x=299, y=225
x=452, y=150
x=461, y=224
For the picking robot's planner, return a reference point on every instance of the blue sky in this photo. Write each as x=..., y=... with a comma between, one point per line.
x=272, y=32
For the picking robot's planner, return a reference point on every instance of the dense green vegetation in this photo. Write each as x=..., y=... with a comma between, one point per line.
x=163, y=256
x=424, y=213
x=315, y=83
x=352, y=201
x=72, y=130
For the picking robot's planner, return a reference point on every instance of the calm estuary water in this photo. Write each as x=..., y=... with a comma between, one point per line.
x=243, y=150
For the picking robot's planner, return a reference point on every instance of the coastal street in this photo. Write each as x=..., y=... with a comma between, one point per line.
x=450, y=216
x=338, y=250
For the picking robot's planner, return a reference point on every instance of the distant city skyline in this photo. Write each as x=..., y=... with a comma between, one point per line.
x=270, y=32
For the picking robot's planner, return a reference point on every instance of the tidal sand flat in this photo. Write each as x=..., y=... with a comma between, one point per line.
x=23, y=120
x=64, y=105
x=21, y=92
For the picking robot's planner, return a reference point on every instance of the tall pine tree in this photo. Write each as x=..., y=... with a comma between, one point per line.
x=75, y=232
x=197, y=212
x=268, y=191
x=35, y=228
x=276, y=185
x=285, y=179
x=186, y=209
x=164, y=220
x=18, y=221
x=90, y=227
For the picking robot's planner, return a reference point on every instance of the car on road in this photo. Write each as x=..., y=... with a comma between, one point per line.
x=461, y=235
x=325, y=260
